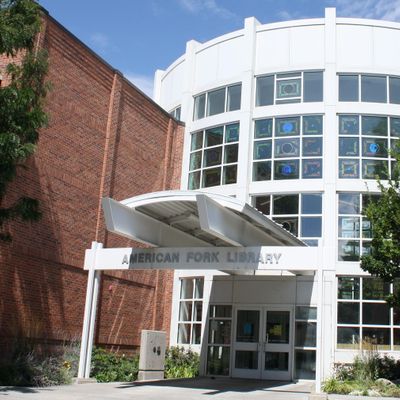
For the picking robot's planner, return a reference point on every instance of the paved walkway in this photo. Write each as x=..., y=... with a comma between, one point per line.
x=183, y=389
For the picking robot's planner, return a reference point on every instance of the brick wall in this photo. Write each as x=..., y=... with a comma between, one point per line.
x=105, y=138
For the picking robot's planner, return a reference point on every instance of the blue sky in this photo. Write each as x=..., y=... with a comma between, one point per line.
x=139, y=36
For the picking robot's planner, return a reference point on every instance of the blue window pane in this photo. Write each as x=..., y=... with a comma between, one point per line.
x=348, y=125
x=287, y=148
x=373, y=89
x=263, y=128
x=312, y=125
x=286, y=169
x=312, y=168
x=348, y=87
x=262, y=149
x=349, y=169
x=374, y=126
x=265, y=90
x=312, y=146
x=288, y=88
x=232, y=133
x=311, y=226
x=313, y=86
x=372, y=169
x=372, y=147
x=287, y=126
x=311, y=203
x=348, y=146
x=349, y=203
x=394, y=90
x=395, y=127
x=262, y=171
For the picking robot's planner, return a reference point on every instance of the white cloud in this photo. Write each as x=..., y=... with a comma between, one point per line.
x=211, y=6
x=375, y=9
x=143, y=82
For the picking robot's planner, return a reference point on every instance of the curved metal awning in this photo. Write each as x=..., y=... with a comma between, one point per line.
x=195, y=219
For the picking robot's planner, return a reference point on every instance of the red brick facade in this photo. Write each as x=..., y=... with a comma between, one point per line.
x=105, y=138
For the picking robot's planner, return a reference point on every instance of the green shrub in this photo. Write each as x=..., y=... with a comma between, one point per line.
x=181, y=363
x=110, y=367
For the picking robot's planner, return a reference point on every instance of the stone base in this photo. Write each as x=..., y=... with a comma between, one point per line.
x=84, y=380
x=150, y=375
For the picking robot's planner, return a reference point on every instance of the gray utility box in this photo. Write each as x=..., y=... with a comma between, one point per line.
x=152, y=355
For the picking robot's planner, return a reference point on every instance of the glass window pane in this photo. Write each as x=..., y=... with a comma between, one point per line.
x=288, y=88
x=311, y=226
x=199, y=106
x=262, y=149
x=248, y=326
x=374, y=126
x=372, y=169
x=286, y=204
x=195, y=160
x=290, y=224
x=187, y=288
x=265, y=90
x=312, y=168
x=312, y=125
x=231, y=154
x=214, y=136
x=219, y=332
x=262, y=171
x=348, y=146
x=311, y=242
x=278, y=327
x=348, y=288
x=221, y=311
x=287, y=126
x=216, y=102
x=349, y=203
x=375, y=314
x=373, y=89
x=348, y=87
x=197, y=141
x=211, y=177
x=349, y=169
x=185, y=311
x=262, y=128
x=348, y=313
x=311, y=203
x=246, y=359
x=348, y=250
x=194, y=180
x=396, y=339
x=395, y=127
x=263, y=204
x=313, y=86
x=305, y=364
x=349, y=227
x=287, y=148
x=229, y=175
x=348, y=125
x=305, y=312
x=379, y=338
x=394, y=90
x=212, y=156
x=218, y=360
x=348, y=338
x=234, y=96
x=312, y=146
x=196, y=333
x=184, y=333
x=375, y=289
x=198, y=288
x=372, y=147
x=306, y=334
x=276, y=361
x=288, y=169
x=232, y=133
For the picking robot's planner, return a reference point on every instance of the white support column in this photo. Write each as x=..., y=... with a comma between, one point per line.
x=319, y=351
x=89, y=318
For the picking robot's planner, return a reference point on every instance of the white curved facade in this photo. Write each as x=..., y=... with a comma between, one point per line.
x=359, y=61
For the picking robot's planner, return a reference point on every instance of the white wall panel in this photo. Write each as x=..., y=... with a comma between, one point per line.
x=230, y=61
x=172, y=87
x=206, y=69
x=307, y=46
x=386, y=48
x=221, y=291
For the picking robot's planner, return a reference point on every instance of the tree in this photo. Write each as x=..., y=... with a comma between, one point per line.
x=384, y=215
x=21, y=102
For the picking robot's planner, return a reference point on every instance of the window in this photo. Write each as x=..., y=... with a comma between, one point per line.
x=369, y=88
x=217, y=101
x=363, y=316
x=305, y=342
x=219, y=339
x=354, y=229
x=176, y=113
x=288, y=148
x=292, y=87
x=190, y=311
x=364, y=143
x=214, y=156
x=300, y=214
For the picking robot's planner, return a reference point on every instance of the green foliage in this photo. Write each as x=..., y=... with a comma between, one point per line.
x=181, y=363
x=111, y=367
x=27, y=366
x=21, y=101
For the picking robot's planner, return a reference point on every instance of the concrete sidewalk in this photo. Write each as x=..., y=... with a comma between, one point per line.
x=180, y=389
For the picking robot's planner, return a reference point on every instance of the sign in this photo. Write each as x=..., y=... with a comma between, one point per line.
x=219, y=258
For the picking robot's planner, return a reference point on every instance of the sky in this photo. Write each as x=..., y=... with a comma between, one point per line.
x=137, y=37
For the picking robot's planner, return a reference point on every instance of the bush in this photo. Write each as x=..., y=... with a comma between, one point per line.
x=181, y=363
x=111, y=367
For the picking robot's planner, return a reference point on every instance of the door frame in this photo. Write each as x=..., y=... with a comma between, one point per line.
x=262, y=308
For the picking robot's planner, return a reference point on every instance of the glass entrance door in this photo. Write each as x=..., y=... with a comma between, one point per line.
x=262, y=344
